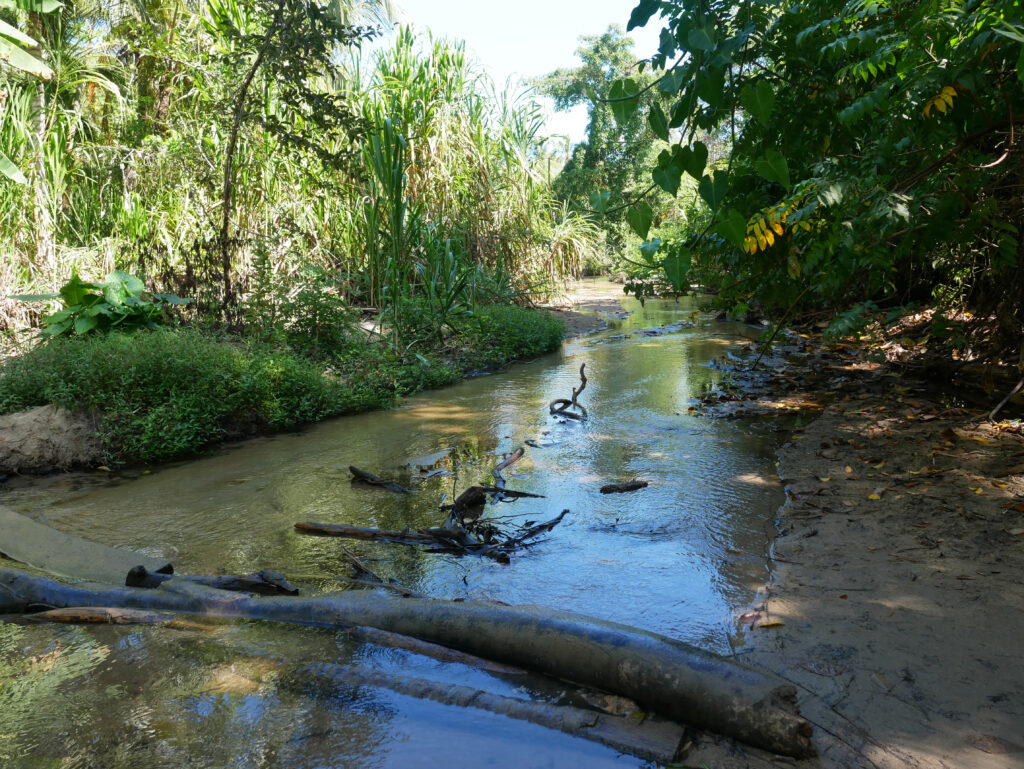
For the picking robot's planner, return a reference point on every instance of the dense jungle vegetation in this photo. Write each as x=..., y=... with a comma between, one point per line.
x=249, y=176
x=872, y=159
x=244, y=168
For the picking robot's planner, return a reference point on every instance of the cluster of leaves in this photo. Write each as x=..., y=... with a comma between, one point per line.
x=120, y=302
x=871, y=146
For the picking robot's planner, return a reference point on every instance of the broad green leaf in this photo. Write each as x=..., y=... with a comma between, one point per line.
x=711, y=85
x=733, y=227
x=599, y=200
x=75, y=291
x=11, y=171
x=85, y=323
x=642, y=14
x=694, y=159
x=34, y=6
x=667, y=43
x=640, y=218
x=6, y=30
x=35, y=297
x=774, y=168
x=676, y=266
x=700, y=39
x=793, y=265
x=650, y=248
x=175, y=299
x=714, y=191
x=623, y=99
x=758, y=100
x=56, y=329
x=17, y=57
x=132, y=284
x=658, y=122
x=668, y=173
x=671, y=82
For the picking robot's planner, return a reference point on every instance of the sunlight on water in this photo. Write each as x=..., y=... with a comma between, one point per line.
x=679, y=557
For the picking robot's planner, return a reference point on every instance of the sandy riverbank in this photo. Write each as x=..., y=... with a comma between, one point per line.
x=895, y=602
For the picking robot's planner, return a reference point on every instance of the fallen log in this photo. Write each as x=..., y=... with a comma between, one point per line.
x=103, y=615
x=262, y=582
x=668, y=677
x=53, y=551
x=405, y=537
x=427, y=649
x=619, y=488
x=652, y=738
x=361, y=476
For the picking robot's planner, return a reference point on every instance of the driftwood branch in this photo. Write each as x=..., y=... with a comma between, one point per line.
x=562, y=406
x=663, y=675
x=262, y=582
x=619, y=488
x=361, y=476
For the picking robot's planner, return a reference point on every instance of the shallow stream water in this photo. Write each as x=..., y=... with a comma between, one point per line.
x=681, y=557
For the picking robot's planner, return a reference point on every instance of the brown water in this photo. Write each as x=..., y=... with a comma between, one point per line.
x=680, y=557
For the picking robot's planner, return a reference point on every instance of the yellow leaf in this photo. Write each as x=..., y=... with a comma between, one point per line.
x=879, y=466
x=978, y=490
x=777, y=226
x=1000, y=484
x=806, y=226
x=825, y=479
x=772, y=623
x=849, y=470
x=873, y=496
x=770, y=237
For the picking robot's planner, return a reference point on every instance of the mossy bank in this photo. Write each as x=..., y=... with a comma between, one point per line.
x=172, y=393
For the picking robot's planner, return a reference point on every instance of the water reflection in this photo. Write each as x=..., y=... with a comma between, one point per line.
x=677, y=557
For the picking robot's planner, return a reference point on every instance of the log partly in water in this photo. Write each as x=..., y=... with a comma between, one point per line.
x=668, y=677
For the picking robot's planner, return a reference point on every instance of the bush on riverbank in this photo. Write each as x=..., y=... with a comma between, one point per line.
x=170, y=393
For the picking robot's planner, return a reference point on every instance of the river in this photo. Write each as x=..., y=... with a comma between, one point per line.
x=681, y=557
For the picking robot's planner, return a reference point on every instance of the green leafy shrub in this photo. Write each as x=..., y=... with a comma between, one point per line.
x=168, y=393
x=120, y=302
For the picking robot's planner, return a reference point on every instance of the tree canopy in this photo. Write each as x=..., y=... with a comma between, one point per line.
x=874, y=151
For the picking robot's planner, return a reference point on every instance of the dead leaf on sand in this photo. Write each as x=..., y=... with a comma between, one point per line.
x=949, y=435
x=989, y=743
x=829, y=668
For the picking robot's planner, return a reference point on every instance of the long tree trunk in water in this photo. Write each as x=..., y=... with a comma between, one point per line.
x=665, y=676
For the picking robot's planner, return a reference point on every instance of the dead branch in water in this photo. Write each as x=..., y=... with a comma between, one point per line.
x=262, y=582
x=561, y=406
x=361, y=476
x=619, y=488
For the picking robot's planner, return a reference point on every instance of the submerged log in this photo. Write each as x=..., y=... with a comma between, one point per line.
x=361, y=476
x=652, y=738
x=427, y=649
x=668, y=677
x=262, y=582
x=104, y=615
x=53, y=551
x=619, y=488
x=405, y=537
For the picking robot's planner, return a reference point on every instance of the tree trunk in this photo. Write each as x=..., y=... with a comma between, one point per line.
x=668, y=677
